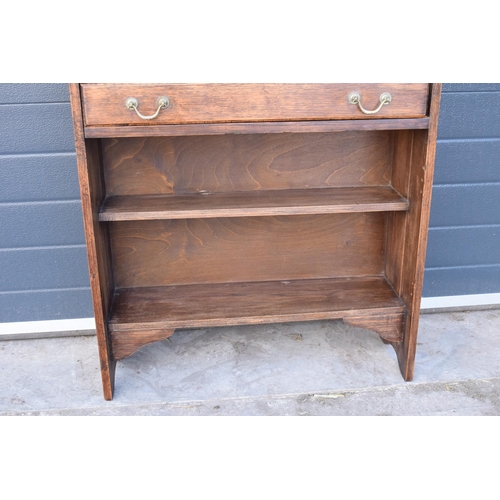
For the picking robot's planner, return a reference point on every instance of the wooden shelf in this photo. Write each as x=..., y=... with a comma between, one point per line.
x=254, y=203
x=220, y=304
x=295, y=127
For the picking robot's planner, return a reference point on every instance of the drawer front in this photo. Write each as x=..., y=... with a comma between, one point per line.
x=105, y=104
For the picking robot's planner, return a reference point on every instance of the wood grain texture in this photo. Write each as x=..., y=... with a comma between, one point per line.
x=298, y=127
x=415, y=217
x=125, y=343
x=104, y=104
x=170, y=252
x=98, y=251
x=168, y=165
x=199, y=306
x=397, y=222
x=420, y=177
x=388, y=326
x=254, y=203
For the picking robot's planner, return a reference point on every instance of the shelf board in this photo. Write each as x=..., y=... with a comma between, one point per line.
x=253, y=203
x=255, y=127
x=221, y=304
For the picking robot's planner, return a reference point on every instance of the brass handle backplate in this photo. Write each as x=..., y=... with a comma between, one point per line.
x=355, y=98
x=162, y=103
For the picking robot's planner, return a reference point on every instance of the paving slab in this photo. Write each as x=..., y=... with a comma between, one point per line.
x=465, y=398
x=313, y=368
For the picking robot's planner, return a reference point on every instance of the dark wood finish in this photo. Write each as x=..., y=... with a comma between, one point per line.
x=249, y=204
x=422, y=172
x=104, y=104
x=125, y=343
x=407, y=233
x=253, y=203
x=215, y=304
x=171, y=252
x=397, y=223
x=255, y=128
x=388, y=326
x=98, y=251
x=230, y=163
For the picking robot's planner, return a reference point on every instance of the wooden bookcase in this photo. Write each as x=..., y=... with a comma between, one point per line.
x=259, y=203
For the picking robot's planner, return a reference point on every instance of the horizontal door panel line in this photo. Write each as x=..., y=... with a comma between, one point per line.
x=5, y=104
x=10, y=154
x=468, y=139
x=467, y=184
x=35, y=290
x=46, y=247
x=471, y=91
x=24, y=155
x=41, y=202
x=470, y=266
x=471, y=226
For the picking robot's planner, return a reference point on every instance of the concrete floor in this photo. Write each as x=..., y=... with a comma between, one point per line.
x=316, y=368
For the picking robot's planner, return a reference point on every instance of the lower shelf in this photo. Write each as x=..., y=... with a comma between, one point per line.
x=369, y=302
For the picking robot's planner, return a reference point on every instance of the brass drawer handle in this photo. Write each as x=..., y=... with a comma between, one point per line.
x=355, y=98
x=162, y=103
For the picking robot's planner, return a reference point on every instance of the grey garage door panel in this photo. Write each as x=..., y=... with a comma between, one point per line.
x=467, y=162
x=466, y=195
x=36, y=128
x=469, y=115
x=18, y=93
x=44, y=269
x=461, y=281
x=45, y=305
x=462, y=205
x=463, y=246
x=471, y=87
x=41, y=224
x=38, y=177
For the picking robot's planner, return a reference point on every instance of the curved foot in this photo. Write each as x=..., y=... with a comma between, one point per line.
x=388, y=326
x=125, y=343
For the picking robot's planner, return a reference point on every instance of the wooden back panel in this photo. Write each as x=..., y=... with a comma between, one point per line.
x=170, y=252
x=167, y=165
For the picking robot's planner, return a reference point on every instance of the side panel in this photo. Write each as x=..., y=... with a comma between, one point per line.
x=98, y=249
x=407, y=240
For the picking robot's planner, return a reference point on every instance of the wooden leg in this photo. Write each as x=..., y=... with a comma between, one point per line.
x=106, y=360
x=406, y=361
x=108, y=379
x=406, y=349
x=108, y=363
